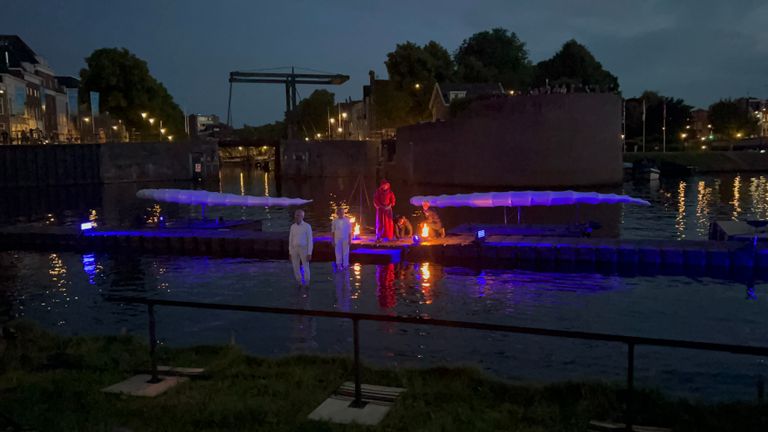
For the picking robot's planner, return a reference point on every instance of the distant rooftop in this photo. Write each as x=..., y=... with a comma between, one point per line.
x=469, y=90
x=18, y=52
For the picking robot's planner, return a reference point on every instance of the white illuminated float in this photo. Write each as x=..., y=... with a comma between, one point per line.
x=205, y=198
x=525, y=199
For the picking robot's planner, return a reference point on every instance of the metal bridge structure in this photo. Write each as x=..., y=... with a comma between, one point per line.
x=290, y=80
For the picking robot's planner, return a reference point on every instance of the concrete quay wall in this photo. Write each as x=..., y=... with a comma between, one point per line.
x=73, y=164
x=552, y=141
x=334, y=158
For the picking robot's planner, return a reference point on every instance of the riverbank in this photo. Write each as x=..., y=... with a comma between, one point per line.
x=51, y=383
x=704, y=161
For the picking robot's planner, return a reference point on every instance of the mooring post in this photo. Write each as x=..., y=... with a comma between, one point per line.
x=152, y=344
x=630, y=384
x=358, y=402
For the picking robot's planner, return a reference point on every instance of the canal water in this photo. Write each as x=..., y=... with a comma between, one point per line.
x=66, y=291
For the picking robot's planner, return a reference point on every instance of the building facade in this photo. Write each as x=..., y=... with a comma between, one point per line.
x=34, y=107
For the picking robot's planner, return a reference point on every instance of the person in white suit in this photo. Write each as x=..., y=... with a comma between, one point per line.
x=300, y=247
x=342, y=238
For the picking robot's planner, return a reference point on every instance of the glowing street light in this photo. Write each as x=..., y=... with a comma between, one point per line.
x=344, y=115
x=317, y=135
x=339, y=130
x=511, y=92
x=170, y=137
x=144, y=115
x=683, y=135
x=738, y=135
x=152, y=121
x=162, y=131
x=332, y=120
x=114, y=127
x=87, y=119
x=417, y=86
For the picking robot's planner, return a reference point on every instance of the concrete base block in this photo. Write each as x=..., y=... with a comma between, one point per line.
x=138, y=385
x=378, y=400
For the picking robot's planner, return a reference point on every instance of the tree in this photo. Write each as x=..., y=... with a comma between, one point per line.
x=678, y=115
x=732, y=119
x=574, y=64
x=413, y=70
x=494, y=56
x=268, y=132
x=312, y=112
x=127, y=89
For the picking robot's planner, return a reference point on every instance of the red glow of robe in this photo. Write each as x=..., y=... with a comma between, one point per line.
x=384, y=201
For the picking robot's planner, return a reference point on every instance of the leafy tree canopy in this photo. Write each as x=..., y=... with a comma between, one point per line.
x=413, y=71
x=732, y=119
x=127, y=89
x=494, y=56
x=313, y=111
x=678, y=115
x=574, y=64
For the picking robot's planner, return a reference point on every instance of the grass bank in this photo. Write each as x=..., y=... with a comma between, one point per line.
x=52, y=383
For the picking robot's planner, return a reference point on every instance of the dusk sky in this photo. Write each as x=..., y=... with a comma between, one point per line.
x=699, y=50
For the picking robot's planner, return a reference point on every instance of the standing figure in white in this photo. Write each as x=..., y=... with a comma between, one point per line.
x=300, y=247
x=342, y=238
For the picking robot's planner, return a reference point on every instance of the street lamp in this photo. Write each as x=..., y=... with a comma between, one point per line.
x=317, y=135
x=332, y=120
x=683, y=135
x=170, y=138
x=162, y=131
x=339, y=130
x=144, y=115
x=417, y=86
x=151, y=121
x=738, y=135
x=344, y=115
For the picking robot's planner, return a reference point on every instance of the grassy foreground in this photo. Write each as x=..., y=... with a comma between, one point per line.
x=52, y=383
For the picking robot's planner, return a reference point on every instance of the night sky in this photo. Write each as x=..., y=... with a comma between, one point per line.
x=700, y=50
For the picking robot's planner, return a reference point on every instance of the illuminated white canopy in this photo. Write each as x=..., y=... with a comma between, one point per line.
x=525, y=199
x=199, y=197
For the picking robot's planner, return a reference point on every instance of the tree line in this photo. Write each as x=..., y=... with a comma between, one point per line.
x=492, y=56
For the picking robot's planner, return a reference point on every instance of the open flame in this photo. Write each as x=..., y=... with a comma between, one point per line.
x=424, y=231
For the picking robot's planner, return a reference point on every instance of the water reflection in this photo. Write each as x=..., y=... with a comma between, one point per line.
x=341, y=281
x=385, y=287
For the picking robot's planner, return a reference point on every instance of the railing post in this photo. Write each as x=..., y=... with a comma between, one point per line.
x=152, y=344
x=629, y=415
x=358, y=402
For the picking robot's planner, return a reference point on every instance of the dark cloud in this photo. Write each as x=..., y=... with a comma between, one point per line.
x=698, y=50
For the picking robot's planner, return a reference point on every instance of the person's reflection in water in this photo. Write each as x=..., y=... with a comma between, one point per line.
x=385, y=287
x=751, y=294
x=304, y=328
x=343, y=290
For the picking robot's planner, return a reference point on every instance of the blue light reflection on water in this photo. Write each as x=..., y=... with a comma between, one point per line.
x=68, y=295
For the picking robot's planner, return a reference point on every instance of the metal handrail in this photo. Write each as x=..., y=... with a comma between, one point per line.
x=630, y=341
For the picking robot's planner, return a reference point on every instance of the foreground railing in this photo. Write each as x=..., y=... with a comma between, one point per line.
x=630, y=341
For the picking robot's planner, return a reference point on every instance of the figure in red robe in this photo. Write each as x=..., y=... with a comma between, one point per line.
x=384, y=201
